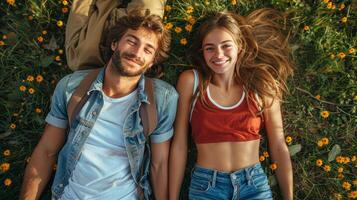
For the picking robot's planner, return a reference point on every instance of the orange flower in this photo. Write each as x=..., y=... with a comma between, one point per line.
x=178, y=29
x=320, y=143
x=12, y=126
x=188, y=27
x=7, y=152
x=346, y=185
x=30, y=78
x=326, y=1
x=30, y=18
x=22, y=88
x=261, y=158
x=288, y=139
x=327, y=168
x=65, y=2
x=353, y=158
x=168, y=8
x=306, y=28
x=266, y=154
x=168, y=26
x=39, y=78
x=325, y=114
x=319, y=162
x=273, y=166
x=64, y=10
x=346, y=160
x=338, y=196
x=325, y=141
x=318, y=97
x=40, y=39
x=5, y=167
x=58, y=58
x=189, y=9
x=329, y=5
x=352, y=194
x=340, y=176
x=38, y=110
x=183, y=41
x=7, y=182
x=31, y=90
x=342, y=6
x=10, y=2
x=44, y=32
x=2, y=43
x=340, y=169
x=340, y=159
x=351, y=50
x=234, y=2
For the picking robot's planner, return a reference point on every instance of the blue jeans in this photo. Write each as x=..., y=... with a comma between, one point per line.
x=246, y=183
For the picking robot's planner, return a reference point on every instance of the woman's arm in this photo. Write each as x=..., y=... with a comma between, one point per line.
x=178, y=151
x=278, y=149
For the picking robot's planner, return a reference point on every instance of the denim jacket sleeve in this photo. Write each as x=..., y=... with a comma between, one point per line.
x=58, y=113
x=166, y=116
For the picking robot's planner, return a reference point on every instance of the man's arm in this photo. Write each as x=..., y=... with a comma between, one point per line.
x=40, y=167
x=159, y=169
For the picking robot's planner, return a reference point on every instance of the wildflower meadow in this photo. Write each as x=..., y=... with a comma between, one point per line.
x=319, y=112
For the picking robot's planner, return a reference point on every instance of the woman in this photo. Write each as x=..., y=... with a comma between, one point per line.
x=235, y=91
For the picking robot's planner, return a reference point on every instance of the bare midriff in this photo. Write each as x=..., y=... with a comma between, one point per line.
x=228, y=156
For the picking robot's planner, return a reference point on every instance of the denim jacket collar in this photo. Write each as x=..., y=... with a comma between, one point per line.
x=97, y=85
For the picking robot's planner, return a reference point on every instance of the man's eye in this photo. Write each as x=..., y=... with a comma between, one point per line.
x=148, y=51
x=131, y=42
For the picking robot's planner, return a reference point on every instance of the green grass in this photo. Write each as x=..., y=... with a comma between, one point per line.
x=317, y=73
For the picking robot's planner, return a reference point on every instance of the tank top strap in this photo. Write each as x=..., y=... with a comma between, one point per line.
x=196, y=80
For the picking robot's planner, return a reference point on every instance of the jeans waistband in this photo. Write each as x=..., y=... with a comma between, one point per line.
x=241, y=175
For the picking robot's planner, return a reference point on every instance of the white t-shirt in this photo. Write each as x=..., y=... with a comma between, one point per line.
x=103, y=170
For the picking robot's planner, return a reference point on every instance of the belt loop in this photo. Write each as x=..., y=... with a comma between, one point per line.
x=214, y=178
x=248, y=176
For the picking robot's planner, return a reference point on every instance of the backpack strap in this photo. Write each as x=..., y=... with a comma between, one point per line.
x=80, y=95
x=148, y=113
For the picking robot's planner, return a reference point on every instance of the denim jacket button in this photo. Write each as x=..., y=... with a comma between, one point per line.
x=94, y=113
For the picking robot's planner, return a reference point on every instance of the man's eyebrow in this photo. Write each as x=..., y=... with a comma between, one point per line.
x=136, y=38
x=211, y=44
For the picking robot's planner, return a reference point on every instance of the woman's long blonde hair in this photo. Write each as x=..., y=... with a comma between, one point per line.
x=263, y=63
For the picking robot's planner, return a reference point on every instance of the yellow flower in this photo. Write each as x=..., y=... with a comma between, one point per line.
x=30, y=78
x=340, y=159
x=7, y=152
x=234, y=2
x=346, y=185
x=183, y=41
x=351, y=50
x=178, y=29
x=353, y=157
x=288, y=139
x=266, y=154
x=168, y=26
x=352, y=194
x=324, y=114
x=40, y=39
x=5, y=167
x=12, y=126
x=188, y=27
x=327, y=168
x=341, y=55
x=39, y=78
x=342, y=6
x=320, y=143
x=168, y=8
x=261, y=158
x=44, y=32
x=30, y=17
x=58, y=58
x=189, y=9
x=333, y=6
x=7, y=182
x=60, y=51
x=59, y=23
x=2, y=43
x=273, y=166
x=338, y=196
x=38, y=110
x=10, y=2
x=340, y=169
x=306, y=28
x=344, y=19
x=31, y=90
x=346, y=160
x=329, y=5
x=65, y=2
x=326, y=1
x=354, y=182
x=332, y=56
x=64, y=10
x=340, y=176
x=319, y=162
x=318, y=97
x=325, y=141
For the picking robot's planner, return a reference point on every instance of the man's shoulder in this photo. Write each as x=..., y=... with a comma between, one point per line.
x=71, y=81
x=164, y=89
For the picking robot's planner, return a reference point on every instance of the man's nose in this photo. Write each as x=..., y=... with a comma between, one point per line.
x=137, y=51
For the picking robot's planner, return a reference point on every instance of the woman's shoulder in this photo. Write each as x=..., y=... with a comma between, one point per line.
x=186, y=81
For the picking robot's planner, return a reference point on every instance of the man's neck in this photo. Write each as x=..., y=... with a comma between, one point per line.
x=116, y=86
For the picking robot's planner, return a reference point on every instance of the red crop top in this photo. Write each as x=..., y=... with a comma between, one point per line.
x=222, y=124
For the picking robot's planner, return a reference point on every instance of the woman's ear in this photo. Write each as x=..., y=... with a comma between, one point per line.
x=114, y=45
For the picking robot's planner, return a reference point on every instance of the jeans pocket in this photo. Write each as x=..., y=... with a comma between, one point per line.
x=199, y=184
x=260, y=180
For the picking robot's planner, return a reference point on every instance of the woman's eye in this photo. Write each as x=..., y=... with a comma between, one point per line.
x=209, y=49
x=227, y=46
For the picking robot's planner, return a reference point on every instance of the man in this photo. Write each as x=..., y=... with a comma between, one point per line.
x=103, y=152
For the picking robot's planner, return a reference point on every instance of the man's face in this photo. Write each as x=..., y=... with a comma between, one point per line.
x=135, y=52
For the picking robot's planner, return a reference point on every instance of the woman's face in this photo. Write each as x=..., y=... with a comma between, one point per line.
x=220, y=51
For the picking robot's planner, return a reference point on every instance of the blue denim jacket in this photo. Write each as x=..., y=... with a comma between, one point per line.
x=135, y=141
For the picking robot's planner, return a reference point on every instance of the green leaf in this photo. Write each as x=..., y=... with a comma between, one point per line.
x=294, y=149
x=272, y=180
x=334, y=152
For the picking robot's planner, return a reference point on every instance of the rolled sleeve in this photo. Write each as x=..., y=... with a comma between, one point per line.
x=164, y=130
x=58, y=113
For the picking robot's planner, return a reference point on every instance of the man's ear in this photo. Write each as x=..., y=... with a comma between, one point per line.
x=114, y=45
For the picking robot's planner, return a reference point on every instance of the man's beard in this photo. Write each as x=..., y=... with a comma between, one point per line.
x=125, y=70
